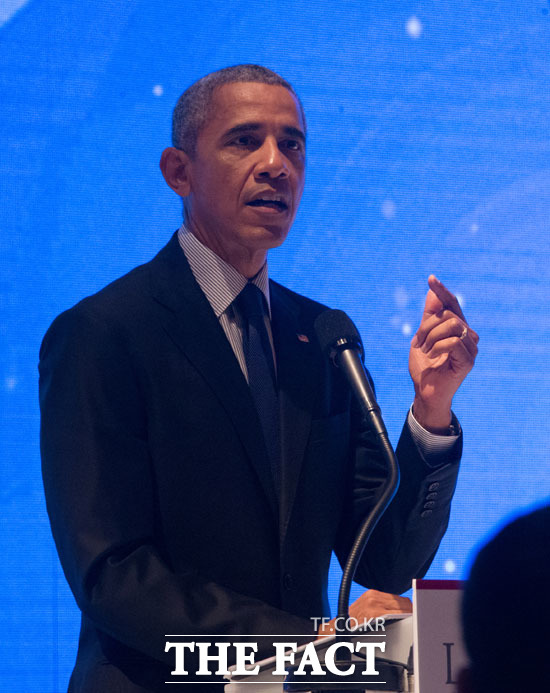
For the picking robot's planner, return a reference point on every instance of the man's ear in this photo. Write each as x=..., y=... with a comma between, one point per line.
x=174, y=164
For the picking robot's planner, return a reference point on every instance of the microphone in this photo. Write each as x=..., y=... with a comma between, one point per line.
x=341, y=342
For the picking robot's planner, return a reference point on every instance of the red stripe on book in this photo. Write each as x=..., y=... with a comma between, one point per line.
x=439, y=584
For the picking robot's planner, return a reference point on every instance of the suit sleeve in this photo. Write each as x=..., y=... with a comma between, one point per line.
x=100, y=497
x=407, y=537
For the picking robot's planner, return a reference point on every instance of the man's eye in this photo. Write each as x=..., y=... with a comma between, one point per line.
x=294, y=145
x=243, y=141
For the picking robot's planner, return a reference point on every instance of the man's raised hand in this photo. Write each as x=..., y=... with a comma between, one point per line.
x=443, y=352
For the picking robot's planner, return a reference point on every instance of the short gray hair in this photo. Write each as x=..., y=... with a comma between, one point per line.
x=193, y=107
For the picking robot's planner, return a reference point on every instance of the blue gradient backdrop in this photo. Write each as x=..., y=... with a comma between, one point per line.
x=428, y=152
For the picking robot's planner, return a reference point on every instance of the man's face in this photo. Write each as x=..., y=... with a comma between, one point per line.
x=247, y=175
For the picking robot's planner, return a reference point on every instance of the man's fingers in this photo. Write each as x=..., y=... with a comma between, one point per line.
x=429, y=323
x=455, y=326
x=374, y=603
x=473, y=334
x=442, y=306
x=370, y=604
x=448, y=299
x=451, y=337
x=454, y=345
x=436, y=330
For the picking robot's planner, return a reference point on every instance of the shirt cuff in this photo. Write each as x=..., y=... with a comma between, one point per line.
x=431, y=445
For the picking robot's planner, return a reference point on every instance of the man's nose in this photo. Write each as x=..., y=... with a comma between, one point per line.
x=271, y=161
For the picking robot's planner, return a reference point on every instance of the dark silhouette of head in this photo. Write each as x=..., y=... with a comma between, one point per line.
x=506, y=610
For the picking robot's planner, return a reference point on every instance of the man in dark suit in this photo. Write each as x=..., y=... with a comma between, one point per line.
x=176, y=509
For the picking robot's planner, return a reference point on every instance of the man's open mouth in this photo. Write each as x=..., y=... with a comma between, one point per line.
x=273, y=204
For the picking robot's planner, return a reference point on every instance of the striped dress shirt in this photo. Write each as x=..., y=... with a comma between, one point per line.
x=221, y=284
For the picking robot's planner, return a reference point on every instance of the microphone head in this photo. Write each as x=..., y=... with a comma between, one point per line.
x=334, y=330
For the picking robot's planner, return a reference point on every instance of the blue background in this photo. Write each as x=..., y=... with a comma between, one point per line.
x=428, y=152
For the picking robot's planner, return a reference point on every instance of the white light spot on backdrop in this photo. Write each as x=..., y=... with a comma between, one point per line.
x=449, y=566
x=401, y=297
x=158, y=90
x=414, y=27
x=10, y=382
x=406, y=328
x=388, y=209
x=460, y=299
x=474, y=228
x=8, y=8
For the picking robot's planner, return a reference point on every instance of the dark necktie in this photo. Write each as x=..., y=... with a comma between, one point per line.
x=261, y=371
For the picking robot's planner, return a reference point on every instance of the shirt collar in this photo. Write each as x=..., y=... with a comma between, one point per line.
x=221, y=283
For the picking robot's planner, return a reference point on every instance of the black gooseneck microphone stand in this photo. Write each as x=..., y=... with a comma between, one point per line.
x=340, y=340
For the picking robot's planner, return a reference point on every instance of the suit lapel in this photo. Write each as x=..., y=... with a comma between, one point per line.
x=298, y=377
x=191, y=323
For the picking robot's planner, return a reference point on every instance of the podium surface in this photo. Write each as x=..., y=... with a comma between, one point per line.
x=427, y=645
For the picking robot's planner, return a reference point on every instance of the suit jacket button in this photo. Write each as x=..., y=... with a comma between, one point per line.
x=434, y=486
x=426, y=513
x=429, y=504
x=288, y=582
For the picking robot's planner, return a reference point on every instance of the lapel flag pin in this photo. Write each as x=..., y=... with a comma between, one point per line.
x=303, y=338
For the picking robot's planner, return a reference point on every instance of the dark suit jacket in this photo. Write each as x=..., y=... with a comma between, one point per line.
x=159, y=493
